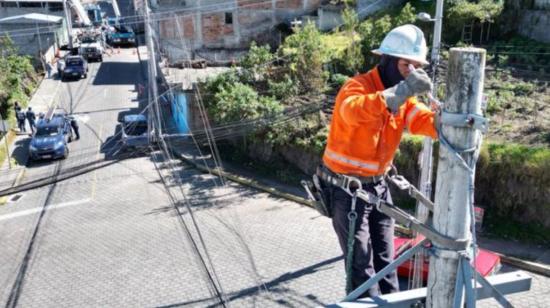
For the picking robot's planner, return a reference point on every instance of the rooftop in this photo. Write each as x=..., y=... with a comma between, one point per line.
x=32, y=17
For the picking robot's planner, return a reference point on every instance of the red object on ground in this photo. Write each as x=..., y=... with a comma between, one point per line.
x=486, y=262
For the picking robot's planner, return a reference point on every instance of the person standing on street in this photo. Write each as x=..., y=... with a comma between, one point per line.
x=49, y=69
x=20, y=116
x=31, y=118
x=371, y=112
x=74, y=125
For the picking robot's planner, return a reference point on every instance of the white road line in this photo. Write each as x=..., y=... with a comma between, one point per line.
x=38, y=209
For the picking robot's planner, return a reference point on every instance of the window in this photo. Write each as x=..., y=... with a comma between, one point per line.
x=228, y=18
x=30, y=4
x=55, y=7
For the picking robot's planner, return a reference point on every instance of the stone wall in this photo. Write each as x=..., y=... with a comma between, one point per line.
x=528, y=18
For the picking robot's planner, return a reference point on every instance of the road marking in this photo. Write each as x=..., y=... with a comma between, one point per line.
x=38, y=209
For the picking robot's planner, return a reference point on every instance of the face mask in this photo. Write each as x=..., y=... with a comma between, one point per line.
x=389, y=73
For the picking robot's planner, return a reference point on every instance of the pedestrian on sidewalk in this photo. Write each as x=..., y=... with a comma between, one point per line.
x=20, y=116
x=371, y=112
x=74, y=125
x=31, y=118
x=49, y=69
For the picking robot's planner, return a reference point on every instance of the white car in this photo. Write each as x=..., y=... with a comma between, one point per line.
x=91, y=48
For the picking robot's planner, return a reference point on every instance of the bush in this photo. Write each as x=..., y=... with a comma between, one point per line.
x=237, y=102
x=374, y=29
x=305, y=53
x=338, y=80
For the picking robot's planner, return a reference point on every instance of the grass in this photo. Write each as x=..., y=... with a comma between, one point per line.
x=504, y=228
x=3, y=154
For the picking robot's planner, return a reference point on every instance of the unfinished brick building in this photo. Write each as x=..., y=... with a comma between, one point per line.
x=219, y=28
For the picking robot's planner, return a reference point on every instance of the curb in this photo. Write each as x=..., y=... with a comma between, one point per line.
x=19, y=177
x=246, y=181
x=534, y=267
x=529, y=266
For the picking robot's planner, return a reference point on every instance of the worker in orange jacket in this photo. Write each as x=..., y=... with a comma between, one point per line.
x=371, y=112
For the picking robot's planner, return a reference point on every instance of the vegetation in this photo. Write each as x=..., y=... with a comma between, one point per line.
x=263, y=90
x=17, y=81
x=310, y=63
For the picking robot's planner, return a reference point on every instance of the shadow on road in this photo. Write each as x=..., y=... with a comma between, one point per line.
x=125, y=73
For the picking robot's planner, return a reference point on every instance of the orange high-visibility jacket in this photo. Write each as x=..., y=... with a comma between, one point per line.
x=364, y=134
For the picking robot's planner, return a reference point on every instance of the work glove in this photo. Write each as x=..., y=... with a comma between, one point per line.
x=416, y=83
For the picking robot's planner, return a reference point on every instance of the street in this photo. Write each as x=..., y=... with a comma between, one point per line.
x=111, y=237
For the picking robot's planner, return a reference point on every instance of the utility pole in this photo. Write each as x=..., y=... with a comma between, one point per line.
x=454, y=187
x=40, y=54
x=153, y=89
x=69, y=21
x=116, y=9
x=426, y=158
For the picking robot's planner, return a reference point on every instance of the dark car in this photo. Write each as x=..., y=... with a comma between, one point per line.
x=51, y=138
x=75, y=67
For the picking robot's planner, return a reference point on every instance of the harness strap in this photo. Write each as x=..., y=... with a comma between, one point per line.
x=352, y=217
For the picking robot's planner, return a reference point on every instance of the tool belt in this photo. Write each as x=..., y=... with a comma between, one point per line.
x=345, y=181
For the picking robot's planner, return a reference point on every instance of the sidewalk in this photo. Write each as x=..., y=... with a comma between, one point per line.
x=42, y=99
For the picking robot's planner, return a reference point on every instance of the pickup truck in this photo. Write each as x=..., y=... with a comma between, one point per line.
x=121, y=35
x=91, y=48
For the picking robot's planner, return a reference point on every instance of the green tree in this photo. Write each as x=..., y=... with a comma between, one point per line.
x=305, y=54
x=256, y=63
x=238, y=101
x=373, y=31
x=353, y=59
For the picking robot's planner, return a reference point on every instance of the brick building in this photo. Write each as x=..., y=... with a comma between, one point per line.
x=220, y=28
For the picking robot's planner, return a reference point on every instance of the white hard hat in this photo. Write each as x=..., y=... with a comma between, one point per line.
x=405, y=42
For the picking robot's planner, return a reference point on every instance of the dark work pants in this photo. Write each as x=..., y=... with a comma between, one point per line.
x=373, y=248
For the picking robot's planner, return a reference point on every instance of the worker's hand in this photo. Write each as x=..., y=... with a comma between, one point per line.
x=417, y=82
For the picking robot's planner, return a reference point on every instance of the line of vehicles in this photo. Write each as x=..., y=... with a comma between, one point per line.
x=54, y=131
x=92, y=42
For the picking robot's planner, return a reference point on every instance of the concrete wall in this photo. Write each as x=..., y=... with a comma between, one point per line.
x=535, y=24
x=528, y=18
x=233, y=25
x=217, y=24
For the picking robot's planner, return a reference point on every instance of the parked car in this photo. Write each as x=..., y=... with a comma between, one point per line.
x=121, y=35
x=135, y=131
x=75, y=66
x=51, y=138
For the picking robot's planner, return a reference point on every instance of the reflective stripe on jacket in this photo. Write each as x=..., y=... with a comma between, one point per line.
x=364, y=134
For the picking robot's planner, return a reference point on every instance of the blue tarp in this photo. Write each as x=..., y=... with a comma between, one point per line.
x=179, y=113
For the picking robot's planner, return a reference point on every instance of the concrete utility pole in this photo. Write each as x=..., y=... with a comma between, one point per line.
x=115, y=8
x=453, y=199
x=426, y=158
x=151, y=58
x=69, y=21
